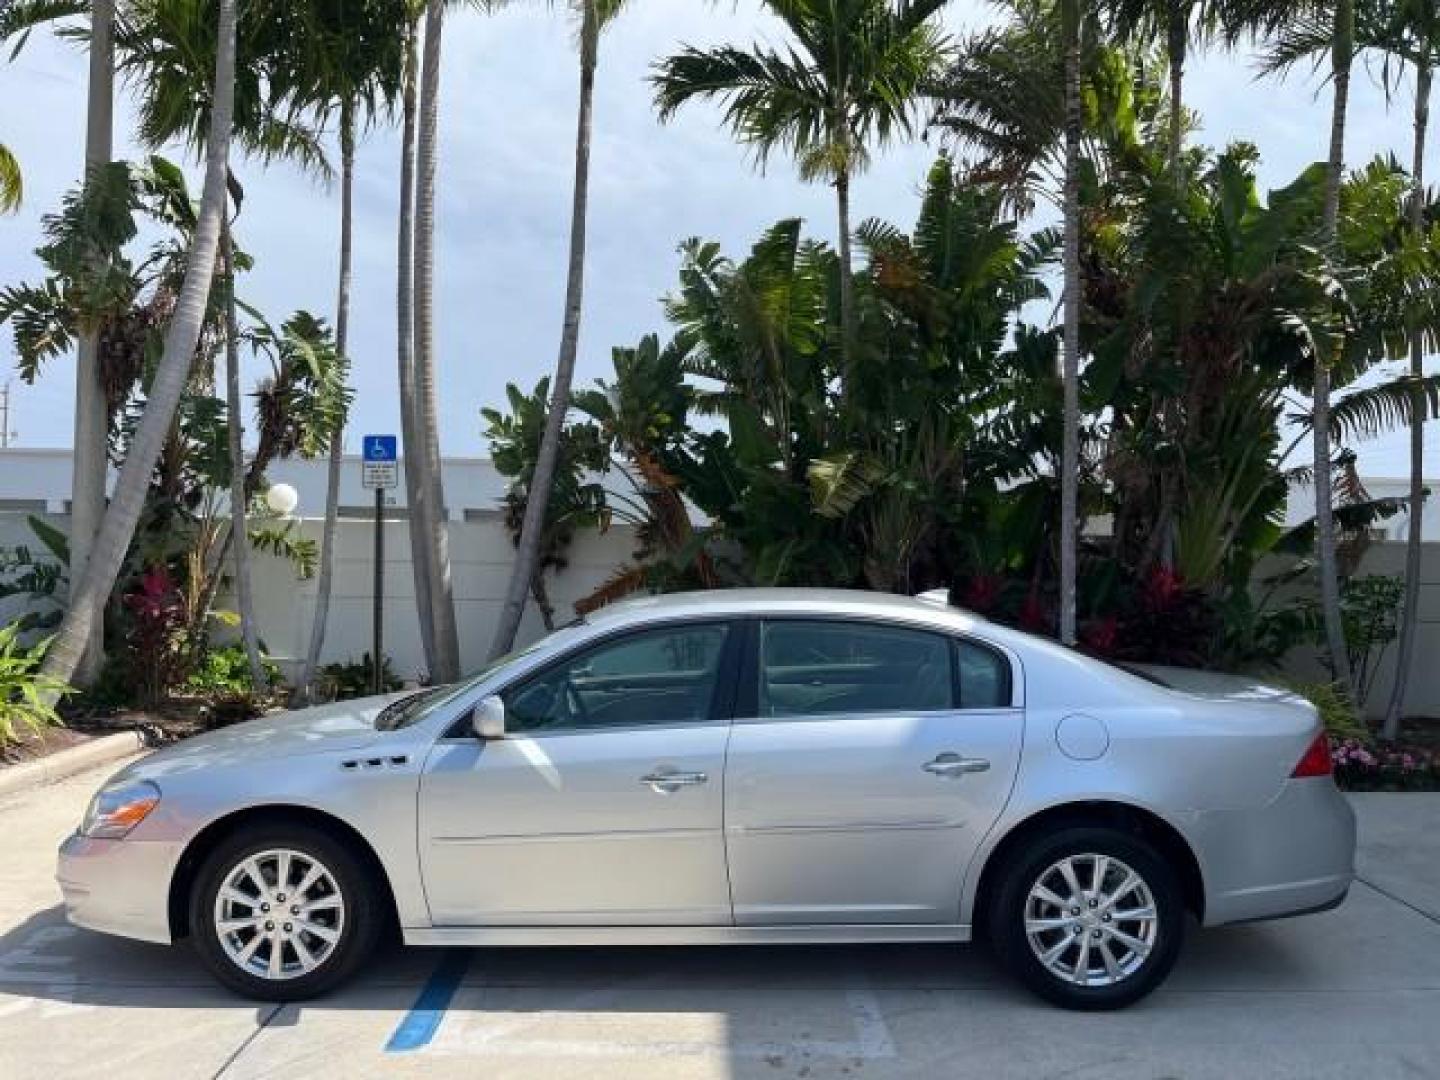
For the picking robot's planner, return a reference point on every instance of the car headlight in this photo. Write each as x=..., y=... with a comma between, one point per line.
x=118, y=808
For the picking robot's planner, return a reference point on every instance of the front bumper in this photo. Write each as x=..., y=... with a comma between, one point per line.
x=118, y=886
x=1293, y=856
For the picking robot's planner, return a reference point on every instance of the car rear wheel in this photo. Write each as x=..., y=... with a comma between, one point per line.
x=1088, y=918
x=283, y=913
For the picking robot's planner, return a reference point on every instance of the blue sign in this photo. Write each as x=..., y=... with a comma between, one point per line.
x=381, y=448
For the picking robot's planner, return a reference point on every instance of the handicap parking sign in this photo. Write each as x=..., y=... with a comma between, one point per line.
x=379, y=468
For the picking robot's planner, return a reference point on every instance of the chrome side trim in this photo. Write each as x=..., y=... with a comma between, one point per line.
x=573, y=837
x=542, y=936
x=785, y=828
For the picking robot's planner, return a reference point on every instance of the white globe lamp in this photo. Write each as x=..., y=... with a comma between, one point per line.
x=283, y=499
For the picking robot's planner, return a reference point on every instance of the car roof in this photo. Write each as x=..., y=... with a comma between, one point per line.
x=930, y=609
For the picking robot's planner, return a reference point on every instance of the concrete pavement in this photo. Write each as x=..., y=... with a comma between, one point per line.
x=1351, y=992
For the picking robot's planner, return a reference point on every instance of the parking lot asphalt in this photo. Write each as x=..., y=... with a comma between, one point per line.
x=1353, y=992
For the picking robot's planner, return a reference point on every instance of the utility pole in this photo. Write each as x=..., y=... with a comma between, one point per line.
x=5, y=433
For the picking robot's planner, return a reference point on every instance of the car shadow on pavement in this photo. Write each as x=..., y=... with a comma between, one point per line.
x=45, y=957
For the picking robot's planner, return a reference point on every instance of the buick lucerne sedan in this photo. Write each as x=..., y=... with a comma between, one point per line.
x=742, y=767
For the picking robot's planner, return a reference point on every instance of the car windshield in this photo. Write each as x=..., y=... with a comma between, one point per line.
x=415, y=707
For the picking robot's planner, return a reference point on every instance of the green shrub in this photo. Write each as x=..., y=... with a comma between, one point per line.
x=1336, y=712
x=225, y=673
x=25, y=694
x=355, y=679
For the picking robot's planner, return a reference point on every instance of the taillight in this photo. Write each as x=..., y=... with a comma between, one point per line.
x=1316, y=760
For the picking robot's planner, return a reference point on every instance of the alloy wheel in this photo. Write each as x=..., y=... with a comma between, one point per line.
x=279, y=914
x=1091, y=920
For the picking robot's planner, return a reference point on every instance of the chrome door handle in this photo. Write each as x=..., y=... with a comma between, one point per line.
x=667, y=783
x=953, y=765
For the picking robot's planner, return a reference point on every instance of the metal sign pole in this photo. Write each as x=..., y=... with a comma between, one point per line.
x=380, y=470
x=379, y=632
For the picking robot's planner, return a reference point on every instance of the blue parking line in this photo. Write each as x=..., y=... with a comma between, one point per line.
x=424, y=1017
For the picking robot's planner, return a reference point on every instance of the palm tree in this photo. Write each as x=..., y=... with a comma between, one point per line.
x=118, y=525
x=239, y=538
x=853, y=77
x=1180, y=23
x=90, y=463
x=594, y=16
x=351, y=61
x=1277, y=19
x=1070, y=20
x=87, y=484
x=1413, y=36
x=405, y=340
x=431, y=503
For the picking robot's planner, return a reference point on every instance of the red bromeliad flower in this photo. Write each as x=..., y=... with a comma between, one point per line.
x=981, y=593
x=1162, y=588
x=156, y=598
x=1033, y=615
x=1101, y=635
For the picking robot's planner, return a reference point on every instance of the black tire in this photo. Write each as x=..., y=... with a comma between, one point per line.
x=359, y=929
x=1006, y=918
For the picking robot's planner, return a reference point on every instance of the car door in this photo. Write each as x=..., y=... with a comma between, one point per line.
x=603, y=803
x=866, y=763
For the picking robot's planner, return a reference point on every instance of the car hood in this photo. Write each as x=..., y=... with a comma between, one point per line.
x=345, y=725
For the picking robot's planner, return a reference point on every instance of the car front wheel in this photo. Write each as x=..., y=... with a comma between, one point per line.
x=283, y=913
x=1088, y=918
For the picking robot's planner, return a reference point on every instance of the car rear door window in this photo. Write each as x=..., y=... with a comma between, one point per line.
x=654, y=677
x=824, y=667
x=984, y=677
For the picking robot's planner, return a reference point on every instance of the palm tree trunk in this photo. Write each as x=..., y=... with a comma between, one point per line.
x=92, y=419
x=405, y=339
x=1409, y=620
x=1325, y=541
x=849, y=324
x=446, y=668
x=1177, y=48
x=1070, y=376
x=118, y=525
x=325, y=584
x=235, y=430
x=527, y=554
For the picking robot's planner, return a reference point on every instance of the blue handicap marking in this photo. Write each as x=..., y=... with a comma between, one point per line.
x=381, y=448
x=423, y=1020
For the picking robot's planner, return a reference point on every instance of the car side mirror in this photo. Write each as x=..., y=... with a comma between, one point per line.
x=488, y=719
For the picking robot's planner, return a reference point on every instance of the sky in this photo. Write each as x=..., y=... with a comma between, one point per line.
x=504, y=188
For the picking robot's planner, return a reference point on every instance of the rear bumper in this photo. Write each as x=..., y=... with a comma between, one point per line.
x=118, y=886
x=1294, y=856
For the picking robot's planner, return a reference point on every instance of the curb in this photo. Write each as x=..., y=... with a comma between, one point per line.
x=66, y=763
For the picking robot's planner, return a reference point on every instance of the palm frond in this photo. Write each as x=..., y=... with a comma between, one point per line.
x=1367, y=413
x=12, y=182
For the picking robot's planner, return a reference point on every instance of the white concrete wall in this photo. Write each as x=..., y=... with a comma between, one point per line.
x=481, y=554
x=1422, y=697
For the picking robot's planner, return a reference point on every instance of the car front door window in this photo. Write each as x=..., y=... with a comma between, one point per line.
x=653, y=678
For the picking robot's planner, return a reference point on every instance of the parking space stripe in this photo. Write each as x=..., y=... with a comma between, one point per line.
x=424, y=1017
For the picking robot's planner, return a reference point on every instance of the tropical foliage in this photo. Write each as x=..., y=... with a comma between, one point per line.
x=933, y=462
x=27, y=696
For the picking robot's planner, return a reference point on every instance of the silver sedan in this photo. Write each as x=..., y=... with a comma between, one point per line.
x=745, y=767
